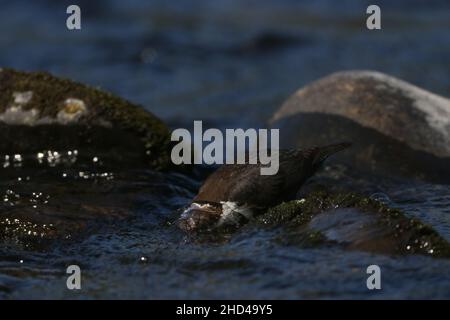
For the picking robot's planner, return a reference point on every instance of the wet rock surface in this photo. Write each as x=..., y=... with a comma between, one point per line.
x=355, y=222
x=396, y=128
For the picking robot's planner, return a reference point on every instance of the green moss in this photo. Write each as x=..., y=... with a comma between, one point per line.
x=304, y=239
x=49, y=94
x=288, y=212
x=411, y=235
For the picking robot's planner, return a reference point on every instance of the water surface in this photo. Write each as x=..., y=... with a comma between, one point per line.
x=229, y=63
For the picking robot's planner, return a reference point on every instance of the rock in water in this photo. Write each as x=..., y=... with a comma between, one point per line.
x=354, y=222
x=396, y=128
x=68, y=156
x=41, y=112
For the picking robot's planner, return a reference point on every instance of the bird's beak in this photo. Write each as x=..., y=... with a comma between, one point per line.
x=324, y=152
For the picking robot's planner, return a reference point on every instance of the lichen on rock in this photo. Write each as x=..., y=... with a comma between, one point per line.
x=38, y=101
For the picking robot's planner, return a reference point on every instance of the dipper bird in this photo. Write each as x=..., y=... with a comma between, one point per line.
x=237, y=192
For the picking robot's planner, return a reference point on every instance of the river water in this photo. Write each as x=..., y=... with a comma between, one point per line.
x=230, y=64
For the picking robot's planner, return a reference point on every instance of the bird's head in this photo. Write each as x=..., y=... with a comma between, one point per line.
x=320, y=154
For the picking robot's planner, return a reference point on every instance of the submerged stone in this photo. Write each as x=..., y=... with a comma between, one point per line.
x=41, y=112
x=356, y=223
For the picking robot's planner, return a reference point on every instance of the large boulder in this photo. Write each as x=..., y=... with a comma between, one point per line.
x=40, y=112
x=396, y=127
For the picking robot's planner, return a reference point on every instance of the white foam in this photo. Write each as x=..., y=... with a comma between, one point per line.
x=230, y=209
x=195, y=206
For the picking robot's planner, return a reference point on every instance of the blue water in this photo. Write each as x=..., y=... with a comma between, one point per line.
x=230, y=63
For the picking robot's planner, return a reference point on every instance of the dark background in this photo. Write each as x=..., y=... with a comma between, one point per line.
x=227, y=60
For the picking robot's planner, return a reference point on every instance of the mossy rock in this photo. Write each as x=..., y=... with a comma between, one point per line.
x=38, y=111
x=356, y=222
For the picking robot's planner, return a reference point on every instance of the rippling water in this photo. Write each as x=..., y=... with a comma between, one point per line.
x=230, y=63
x=129, y=248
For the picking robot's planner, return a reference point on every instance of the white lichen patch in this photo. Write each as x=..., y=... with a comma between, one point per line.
x=15, y=113
x=17, y=116
x=72, y=111
x=22, y=98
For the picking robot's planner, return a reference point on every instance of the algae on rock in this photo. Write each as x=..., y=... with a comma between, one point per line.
x=38, y=101
x=388, y=231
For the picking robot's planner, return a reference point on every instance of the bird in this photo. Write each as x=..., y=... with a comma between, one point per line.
x=235, y=193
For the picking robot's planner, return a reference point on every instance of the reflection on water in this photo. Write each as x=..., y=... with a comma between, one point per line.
x=230, y=63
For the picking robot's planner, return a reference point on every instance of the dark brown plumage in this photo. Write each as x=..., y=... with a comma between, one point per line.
x=243, y=185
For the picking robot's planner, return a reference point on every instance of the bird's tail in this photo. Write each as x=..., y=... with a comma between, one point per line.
x=322, y=153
